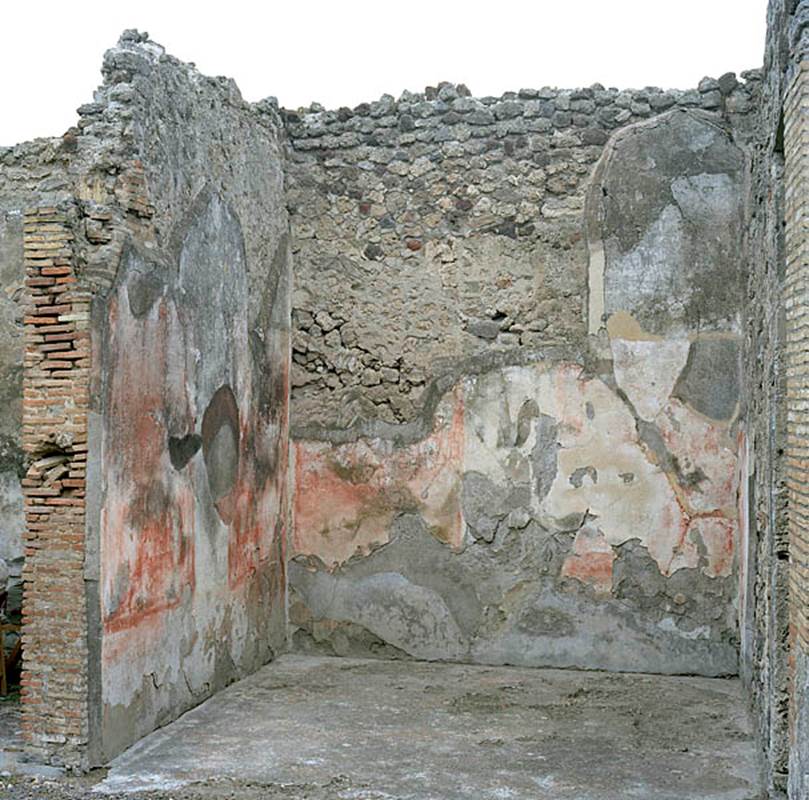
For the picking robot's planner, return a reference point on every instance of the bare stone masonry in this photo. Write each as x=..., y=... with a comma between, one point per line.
x=505, y=381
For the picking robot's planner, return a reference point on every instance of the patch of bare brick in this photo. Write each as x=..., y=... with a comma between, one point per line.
x=55, y=401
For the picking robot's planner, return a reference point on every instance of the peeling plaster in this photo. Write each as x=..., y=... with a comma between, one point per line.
x=537, y=449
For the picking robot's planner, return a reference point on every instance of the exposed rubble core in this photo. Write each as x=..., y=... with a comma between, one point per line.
x=501, y=381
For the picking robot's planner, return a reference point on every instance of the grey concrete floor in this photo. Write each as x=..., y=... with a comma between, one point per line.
x=354, y=729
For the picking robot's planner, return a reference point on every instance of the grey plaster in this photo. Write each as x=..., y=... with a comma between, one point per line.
x=11, y=519
x=544, y=455
x=709, y=382
x=666, y=203
x=799, y=753
x=556, y=629
x=503, y=601
x=11, y=351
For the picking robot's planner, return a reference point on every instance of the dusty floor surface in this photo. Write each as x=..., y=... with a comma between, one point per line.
x=10, y=733
x=349, y=729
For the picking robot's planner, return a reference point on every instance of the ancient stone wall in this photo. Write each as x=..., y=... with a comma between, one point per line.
x=537, y=418
x=769, y=662
x=515, y=376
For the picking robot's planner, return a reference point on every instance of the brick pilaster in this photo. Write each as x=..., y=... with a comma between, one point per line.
x=55, y=402
x=796, y=151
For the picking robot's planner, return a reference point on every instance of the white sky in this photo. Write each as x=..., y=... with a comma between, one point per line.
x=345, y=52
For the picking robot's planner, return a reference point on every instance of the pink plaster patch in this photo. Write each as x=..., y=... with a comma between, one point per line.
x=148, y=517
x=702, y=449
x=347, y=496
x=591, y=560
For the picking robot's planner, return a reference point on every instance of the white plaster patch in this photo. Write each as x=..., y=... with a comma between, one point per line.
x=630, y=497
x=670, y=626
x=647, y=371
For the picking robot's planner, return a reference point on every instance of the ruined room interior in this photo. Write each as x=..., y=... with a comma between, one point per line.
x=462, y=432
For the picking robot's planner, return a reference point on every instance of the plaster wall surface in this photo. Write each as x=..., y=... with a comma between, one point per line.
x=166, y=210
x=189, y=419
x=516, y=377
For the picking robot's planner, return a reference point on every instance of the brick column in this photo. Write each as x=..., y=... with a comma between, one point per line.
x=796, y=152
x=55, y=401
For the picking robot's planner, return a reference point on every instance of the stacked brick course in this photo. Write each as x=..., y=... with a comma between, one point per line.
x=796, y=300
x=55, y=400
x=796, y=137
